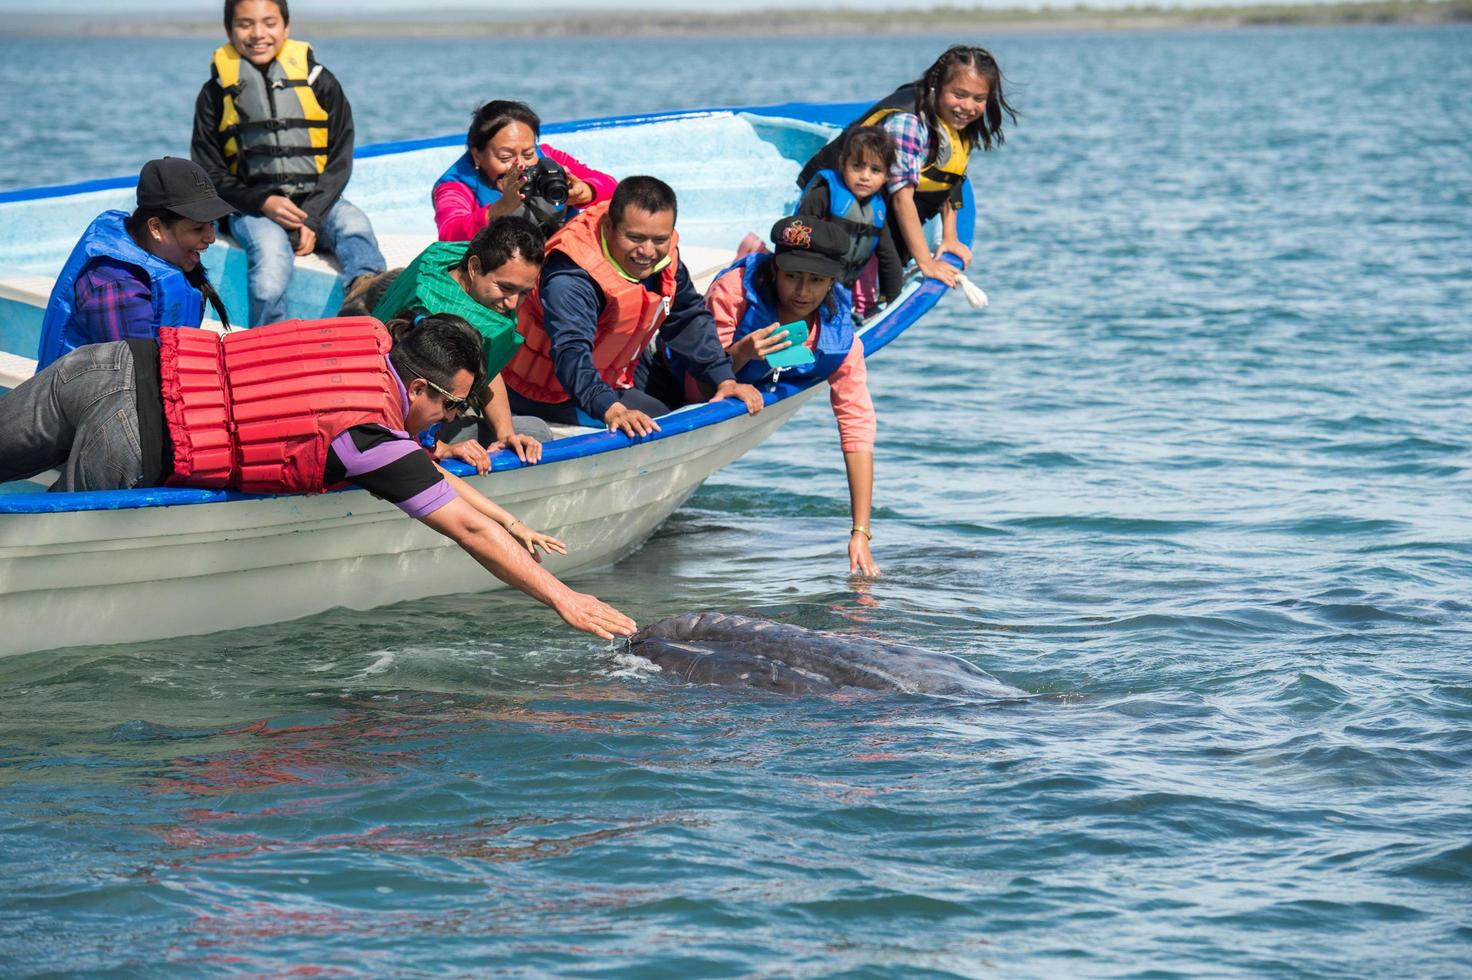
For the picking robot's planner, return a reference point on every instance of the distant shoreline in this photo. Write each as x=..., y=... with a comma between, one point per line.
x=766, y=23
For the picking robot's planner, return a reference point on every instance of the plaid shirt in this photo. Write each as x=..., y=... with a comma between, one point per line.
x=112, y=303
x=912, y=143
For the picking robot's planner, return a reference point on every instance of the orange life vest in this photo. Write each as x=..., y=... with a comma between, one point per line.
x=631, y=315
x=257, y=409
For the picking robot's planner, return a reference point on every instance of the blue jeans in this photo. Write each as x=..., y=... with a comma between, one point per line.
x=80, y=413
x=345, y=232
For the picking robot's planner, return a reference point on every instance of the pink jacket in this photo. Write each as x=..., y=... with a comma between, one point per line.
x=848, y=387
x=458, y=217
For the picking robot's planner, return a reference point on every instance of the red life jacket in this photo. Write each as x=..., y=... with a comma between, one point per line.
x=631, y=315
x=256, y=410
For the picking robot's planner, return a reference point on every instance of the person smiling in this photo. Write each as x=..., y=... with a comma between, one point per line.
x=935, y=122
x=130, y=274
x=274, y=131
x=483, y=281
x=612, y=282
x=490, y=180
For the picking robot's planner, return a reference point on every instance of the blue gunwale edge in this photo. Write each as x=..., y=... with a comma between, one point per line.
x=819, y=112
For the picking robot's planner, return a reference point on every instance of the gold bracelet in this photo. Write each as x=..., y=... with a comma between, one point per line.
x=861, y=529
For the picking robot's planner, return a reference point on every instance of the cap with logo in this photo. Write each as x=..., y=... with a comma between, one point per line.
x=181, y=186
x=808, y=244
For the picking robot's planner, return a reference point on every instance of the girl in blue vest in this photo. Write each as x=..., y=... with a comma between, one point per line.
x=133, y=273
x=751, y=301
x=853, y=197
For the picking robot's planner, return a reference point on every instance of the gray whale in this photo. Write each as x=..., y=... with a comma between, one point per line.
x=740, y=651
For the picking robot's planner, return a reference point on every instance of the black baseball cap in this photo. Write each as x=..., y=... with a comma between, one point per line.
x=807, y=244
x=183, y=187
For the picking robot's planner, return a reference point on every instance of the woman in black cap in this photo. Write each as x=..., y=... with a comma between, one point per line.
x=133, y=273
x=786, y=315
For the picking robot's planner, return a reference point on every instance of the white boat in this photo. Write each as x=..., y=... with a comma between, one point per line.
x=136, y=565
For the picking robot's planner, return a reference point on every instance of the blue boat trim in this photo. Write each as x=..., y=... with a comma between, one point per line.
x=816, y=112
x=910, y=309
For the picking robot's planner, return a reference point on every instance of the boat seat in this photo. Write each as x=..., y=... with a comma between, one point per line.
x=704, y=262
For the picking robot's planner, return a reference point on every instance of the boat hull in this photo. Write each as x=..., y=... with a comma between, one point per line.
x=76, y=578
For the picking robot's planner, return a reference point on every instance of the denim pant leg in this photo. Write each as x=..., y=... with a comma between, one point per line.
x=270, y=259
x=348, y=234
x=79, y=414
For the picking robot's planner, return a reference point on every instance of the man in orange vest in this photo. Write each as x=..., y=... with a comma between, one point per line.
x=191, y=409
x=612, y=282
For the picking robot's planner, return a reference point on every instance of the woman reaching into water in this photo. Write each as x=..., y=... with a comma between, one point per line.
x=751, y=301
x=935, y=121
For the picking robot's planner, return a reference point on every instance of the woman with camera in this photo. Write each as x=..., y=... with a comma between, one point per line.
x=505, y=171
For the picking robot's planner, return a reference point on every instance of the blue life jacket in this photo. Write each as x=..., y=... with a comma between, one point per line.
x=835, y=325
x=464, y=171
x=862, y=220
x=176, y=302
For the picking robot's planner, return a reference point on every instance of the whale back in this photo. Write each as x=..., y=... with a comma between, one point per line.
x=721, y=648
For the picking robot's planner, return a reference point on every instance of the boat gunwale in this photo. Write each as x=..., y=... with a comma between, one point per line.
x=789, y=110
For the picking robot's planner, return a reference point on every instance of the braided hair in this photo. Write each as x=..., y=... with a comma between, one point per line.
x=986, y=129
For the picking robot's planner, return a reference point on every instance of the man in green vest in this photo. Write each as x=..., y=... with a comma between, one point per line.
x=274, y=132
x=482, y=280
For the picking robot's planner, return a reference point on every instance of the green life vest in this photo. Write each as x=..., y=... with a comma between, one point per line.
x=426, y=287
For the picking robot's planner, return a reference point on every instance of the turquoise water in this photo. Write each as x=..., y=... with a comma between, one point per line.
x=1198, y=479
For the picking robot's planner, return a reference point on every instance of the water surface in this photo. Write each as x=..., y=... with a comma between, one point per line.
x=1198, y=479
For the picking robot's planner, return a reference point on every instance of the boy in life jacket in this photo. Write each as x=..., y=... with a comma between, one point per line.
x=852, y=197
x=194, y=409
x=274, y=132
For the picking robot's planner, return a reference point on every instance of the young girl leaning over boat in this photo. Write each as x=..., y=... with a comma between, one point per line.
x=935, y=121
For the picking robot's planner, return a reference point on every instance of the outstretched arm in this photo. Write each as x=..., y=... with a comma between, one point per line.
x=485, y=541
x=860, y=467
x=528, y=538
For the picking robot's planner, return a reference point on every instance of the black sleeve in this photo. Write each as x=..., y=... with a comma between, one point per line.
x=334, y=178
x=816, y=202
x=207, y=149
x=389, y=466
x=891, y=266
x=690, y=331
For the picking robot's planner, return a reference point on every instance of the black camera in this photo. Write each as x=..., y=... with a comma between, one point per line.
x=544, y=195
x=547, y=181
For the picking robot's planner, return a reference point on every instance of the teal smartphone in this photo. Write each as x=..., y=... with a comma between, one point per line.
x=797, y=354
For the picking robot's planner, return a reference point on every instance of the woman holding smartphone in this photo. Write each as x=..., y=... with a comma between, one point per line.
x=765, y=301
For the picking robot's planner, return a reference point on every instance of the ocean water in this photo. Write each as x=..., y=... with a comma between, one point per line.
x=1197, y=480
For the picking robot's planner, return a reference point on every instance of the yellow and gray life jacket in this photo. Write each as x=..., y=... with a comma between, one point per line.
x=940, y=179
x=275, y=130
